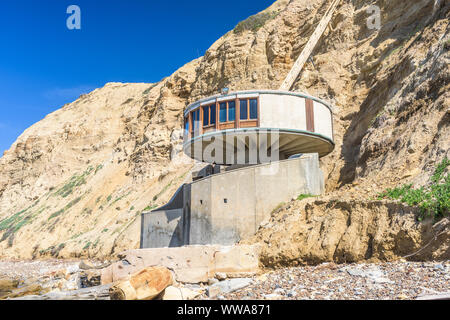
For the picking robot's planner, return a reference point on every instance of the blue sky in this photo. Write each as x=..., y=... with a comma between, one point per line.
x=44, y=65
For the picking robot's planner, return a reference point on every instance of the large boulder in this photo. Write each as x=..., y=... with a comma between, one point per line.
x=174, y=293
x=146, y=284
x=190, y=264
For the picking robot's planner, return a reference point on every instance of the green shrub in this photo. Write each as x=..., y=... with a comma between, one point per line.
x=17, y=221
x=128, y=101
x=304, y=196
x=255, y=22
x=75, y=181
x=150, y=207
x=12, y=220
x=433, y=201
x=55, y=214
x=87, y=245
x=68, y=206
x=440, y=169
x=98, y=168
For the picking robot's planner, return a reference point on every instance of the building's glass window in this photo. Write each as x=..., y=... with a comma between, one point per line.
x=186, y=125
x=223, y=112
x=206, y=116
x=231, y=110
x=213, y=114
x=195, y=119
x=253, y=109
x=243, y=108
x=209, y=115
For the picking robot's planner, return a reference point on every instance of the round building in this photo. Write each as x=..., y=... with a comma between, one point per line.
x=260, y=126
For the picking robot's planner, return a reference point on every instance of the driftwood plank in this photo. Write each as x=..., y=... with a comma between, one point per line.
x=440, y=296
x=309, y=47
x=92, y=293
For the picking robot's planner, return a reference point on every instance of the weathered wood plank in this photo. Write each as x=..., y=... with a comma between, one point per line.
x=308, y=49
x=440, y=296
x=92, y=293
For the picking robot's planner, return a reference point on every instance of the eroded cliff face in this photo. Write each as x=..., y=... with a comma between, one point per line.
x=333, y=229
x=75, y=183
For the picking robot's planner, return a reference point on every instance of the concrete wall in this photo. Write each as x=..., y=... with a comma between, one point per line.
x=162, y=229
x=289, y=112
x=323, y=120
x=224, y=208
x=282, y=111
x=228, y=207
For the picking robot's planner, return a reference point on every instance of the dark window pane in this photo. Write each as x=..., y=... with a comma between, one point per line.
x=186, y=125
x=243, y=109
x=253, y=109
x=196, y=118
x=213, y=114
x=223, y=112
x=231, y=110
x=206, y=116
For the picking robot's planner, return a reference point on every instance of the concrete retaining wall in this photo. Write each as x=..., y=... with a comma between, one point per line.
x=228, y=207
x=162, y=229
x=224, y=208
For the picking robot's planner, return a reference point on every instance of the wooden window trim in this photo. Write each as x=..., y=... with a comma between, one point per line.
x=218, y=125
x=249, y=124
x=209, y=115
x=190, y=125
x=237, y=113
x=200, y=125
x=217, y=114
x=309, y=113
x=191, y=116
x=243, y=99
x=258, y=116
x=226, y=110
x=248, y=109
x=192, y=121
x=227, y=102
x=209, y=125
x=186, y=121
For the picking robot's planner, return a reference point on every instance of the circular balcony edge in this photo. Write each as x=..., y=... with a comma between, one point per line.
x=325, y=142
x=198, y=103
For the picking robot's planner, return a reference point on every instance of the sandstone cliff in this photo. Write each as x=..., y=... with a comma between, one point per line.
x=75, y=183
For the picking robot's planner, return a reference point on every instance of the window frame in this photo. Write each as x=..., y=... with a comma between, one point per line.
x=210, y=118
x=193, y=128
x=187, y=123
x=228, y=124
x=248, y=109
x=227, y=102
